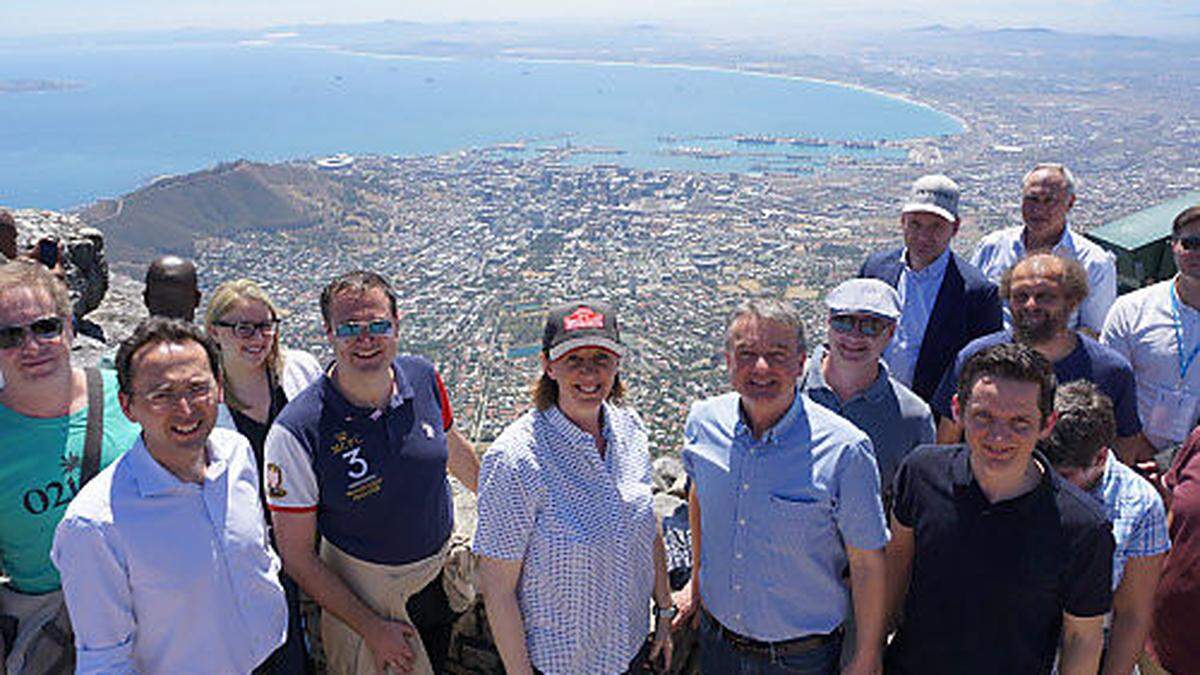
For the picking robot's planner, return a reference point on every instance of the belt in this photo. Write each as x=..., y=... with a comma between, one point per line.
x=798, y=645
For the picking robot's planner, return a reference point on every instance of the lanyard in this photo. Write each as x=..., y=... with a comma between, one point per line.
x=1184, y=364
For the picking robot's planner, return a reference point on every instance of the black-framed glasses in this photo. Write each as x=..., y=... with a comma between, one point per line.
x=44, y=329
x=247, y=329
x=1191, y=243
x=350, y=329
x=870, y=326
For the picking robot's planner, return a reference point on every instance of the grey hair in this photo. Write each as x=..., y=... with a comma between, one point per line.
x=1053, y=166
x=768, y=309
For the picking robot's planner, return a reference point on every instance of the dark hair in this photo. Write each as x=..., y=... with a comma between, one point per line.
x=157, y=330
x=1086, y=425
x=1073, y=279
x=1010, y=361
x=545, y=392
x=357, y=281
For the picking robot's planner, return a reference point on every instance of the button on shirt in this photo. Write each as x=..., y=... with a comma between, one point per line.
x=163, y=576
x=583, y=527
x=918, y=290
x=1139, y=522
x=893, y=417
x=777, y=513
x=1001, y=250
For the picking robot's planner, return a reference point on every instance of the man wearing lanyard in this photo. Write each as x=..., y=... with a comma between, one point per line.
x=1158, y=329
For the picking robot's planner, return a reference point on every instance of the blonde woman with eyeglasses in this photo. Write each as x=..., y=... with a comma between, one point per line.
x=259, y=377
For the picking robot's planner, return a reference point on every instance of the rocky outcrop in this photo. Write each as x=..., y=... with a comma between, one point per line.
x=106, y=306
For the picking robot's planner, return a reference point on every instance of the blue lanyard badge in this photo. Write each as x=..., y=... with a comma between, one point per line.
x=1184, y=364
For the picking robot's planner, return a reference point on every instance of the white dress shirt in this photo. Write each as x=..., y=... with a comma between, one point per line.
x=918, y=291
x=1002, y=249
x=163, y=576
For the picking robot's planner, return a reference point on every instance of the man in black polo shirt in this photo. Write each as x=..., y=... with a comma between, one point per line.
x=994, y=556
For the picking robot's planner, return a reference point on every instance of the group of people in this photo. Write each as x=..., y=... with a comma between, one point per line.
x=968, y=476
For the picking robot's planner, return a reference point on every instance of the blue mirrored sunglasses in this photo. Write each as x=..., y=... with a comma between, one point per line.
x=351, y=329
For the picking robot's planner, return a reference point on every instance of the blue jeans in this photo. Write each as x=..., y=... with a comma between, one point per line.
x=718, y=657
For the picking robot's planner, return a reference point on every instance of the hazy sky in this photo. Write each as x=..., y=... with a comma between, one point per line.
x=31, y=17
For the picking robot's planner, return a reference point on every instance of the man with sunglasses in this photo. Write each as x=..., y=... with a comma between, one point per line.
x=44, y=431
x=1047, y=195
x=848, y=376
x=361, y=456
x=165, y=561
x=1043, y=291
x=1158, y=329
x=946, y=302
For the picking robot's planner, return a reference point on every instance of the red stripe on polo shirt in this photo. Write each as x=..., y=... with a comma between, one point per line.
x=444, y=403
x=291, y=509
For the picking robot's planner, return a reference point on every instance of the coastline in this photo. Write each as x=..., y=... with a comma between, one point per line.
x=336, y=49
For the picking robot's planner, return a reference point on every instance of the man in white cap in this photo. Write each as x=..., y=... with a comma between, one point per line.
x=848, y=376
x=946, y=302
x=1047, y=195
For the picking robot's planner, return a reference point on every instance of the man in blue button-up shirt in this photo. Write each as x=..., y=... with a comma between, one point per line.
x=785, y=495
x=164, y=557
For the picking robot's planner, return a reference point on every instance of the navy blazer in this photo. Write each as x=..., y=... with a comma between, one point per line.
x=967, y=307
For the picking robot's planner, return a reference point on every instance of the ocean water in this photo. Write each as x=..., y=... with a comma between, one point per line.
x=141, y=113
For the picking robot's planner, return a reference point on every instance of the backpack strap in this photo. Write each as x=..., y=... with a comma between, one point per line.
x=95, y=427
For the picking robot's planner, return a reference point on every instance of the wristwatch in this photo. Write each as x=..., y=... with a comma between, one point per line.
x=667, y=612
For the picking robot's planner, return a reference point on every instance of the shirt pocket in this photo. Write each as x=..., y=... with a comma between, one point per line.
x=799, y=519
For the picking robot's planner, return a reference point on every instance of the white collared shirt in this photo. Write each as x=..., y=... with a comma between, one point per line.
x=1002, y=249
x=163, y=576
x=918, y=291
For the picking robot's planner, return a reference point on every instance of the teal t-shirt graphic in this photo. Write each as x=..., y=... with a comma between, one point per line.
x=40, y=461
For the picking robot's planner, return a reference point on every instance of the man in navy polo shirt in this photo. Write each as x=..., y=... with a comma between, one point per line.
x=361, y=456
x=994, y=556
x=1043, y=291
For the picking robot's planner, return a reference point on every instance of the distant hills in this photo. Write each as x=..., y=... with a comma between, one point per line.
x=168, y=215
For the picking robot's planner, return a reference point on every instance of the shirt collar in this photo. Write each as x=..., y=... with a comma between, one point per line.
x=934, y=269
x=563, y=425
x=963, y=479
x=401, y=390
x=1102, y=486
x=153, y=479
x=781, y=427
x=1065, y=243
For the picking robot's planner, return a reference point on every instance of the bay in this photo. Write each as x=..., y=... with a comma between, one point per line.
x=144, y=112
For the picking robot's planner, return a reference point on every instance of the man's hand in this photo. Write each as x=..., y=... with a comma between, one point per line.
x=388, y=642
x=662, y=644
x=687, y=599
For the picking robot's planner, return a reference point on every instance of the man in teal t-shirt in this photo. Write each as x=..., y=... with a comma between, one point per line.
x=43, y=426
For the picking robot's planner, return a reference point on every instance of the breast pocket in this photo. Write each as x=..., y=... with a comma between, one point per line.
x=801, y=519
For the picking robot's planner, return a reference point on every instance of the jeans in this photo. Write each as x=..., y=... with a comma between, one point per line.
x=718, y=657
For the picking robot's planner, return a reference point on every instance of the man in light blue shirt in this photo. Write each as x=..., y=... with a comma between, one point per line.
x=1047, y=194
x=785, y=496
x=164, y=558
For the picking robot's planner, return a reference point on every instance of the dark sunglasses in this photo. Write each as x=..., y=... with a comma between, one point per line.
x=351, y=329
x=46, y=328
x=870, y=326
x=1188, y=243
x=247, y=329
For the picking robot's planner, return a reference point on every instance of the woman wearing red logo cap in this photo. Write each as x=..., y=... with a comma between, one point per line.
x=570, y=548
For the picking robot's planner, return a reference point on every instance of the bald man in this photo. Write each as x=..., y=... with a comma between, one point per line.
x=171, y=289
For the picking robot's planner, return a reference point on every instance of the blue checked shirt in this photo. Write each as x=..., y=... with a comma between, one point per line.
x=584, y=529
x=1136, y=513
x=777, y=514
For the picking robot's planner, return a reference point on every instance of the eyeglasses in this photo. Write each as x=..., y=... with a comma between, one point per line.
x=1191, y=243
x=165, y=398
x=44, y=329
x=869, y=326
x=247, y=329
x=352, y=329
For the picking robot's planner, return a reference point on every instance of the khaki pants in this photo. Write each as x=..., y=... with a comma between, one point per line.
x=44, y=644
x=383, y=588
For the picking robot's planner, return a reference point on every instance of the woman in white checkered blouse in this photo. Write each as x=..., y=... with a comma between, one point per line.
x=570, y=550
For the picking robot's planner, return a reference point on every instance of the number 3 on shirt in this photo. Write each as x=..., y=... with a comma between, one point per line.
x=358, y=465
